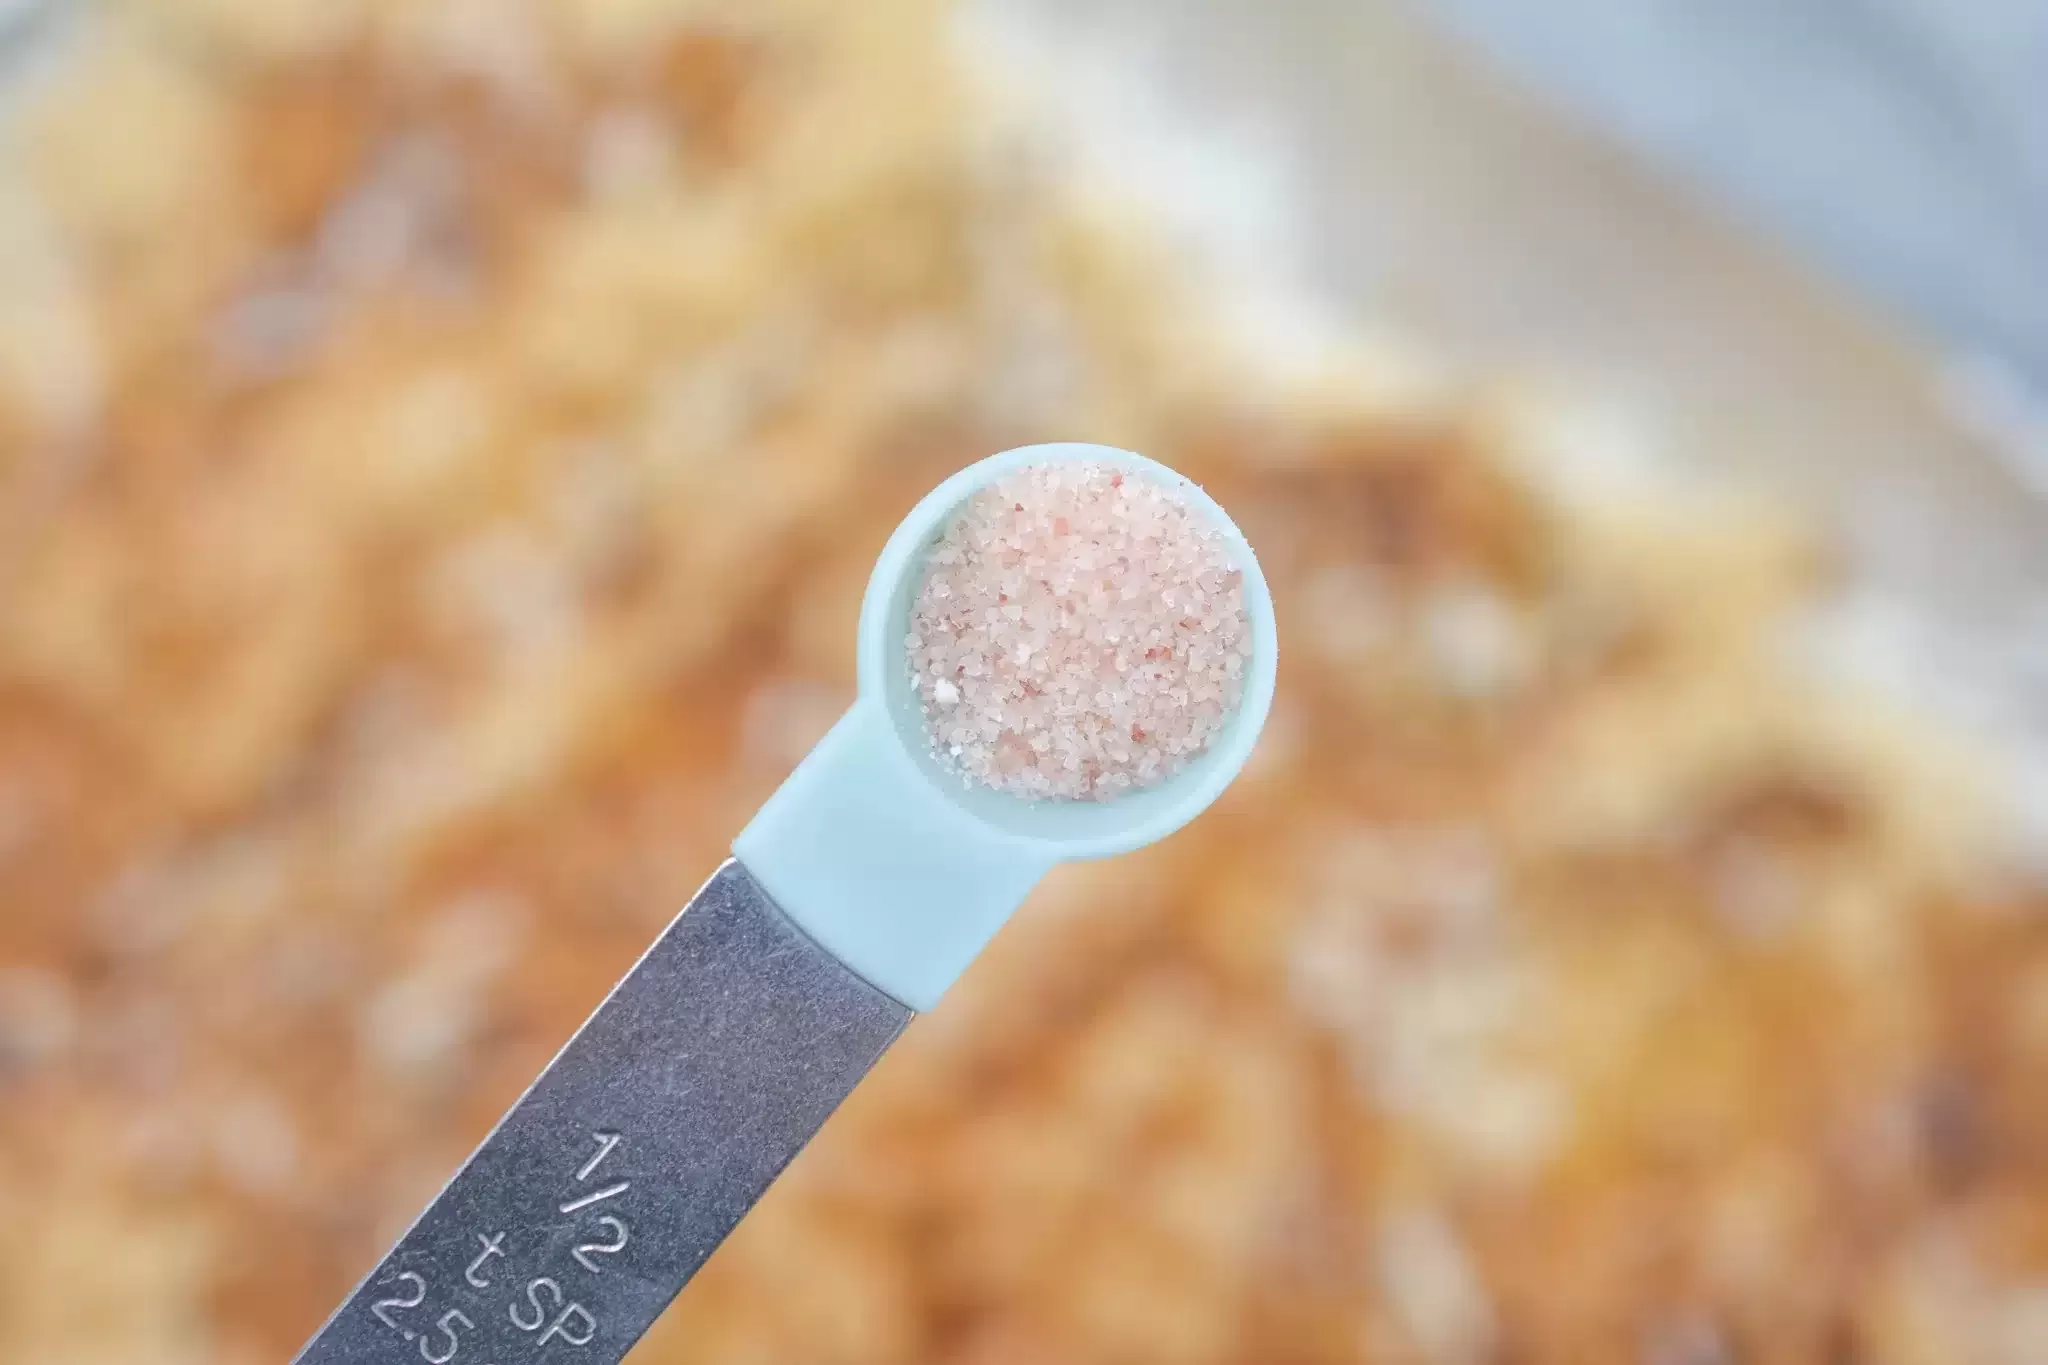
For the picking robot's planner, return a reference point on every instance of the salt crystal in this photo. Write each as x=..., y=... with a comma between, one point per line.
x=1105, y=557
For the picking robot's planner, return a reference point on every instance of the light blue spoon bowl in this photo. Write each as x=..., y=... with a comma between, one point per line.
x=897, y=866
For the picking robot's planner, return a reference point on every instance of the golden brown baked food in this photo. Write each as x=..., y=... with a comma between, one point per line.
x=440, y=449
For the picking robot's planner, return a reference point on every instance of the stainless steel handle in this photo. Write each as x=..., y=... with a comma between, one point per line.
x=652, y=1133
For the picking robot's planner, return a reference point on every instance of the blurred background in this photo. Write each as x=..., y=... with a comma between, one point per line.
x=442, y=443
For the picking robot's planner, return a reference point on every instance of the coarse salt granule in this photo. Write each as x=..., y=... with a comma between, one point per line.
x=1080, y=632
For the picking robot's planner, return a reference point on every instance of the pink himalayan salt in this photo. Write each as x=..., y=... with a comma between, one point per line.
x=1080, y=632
